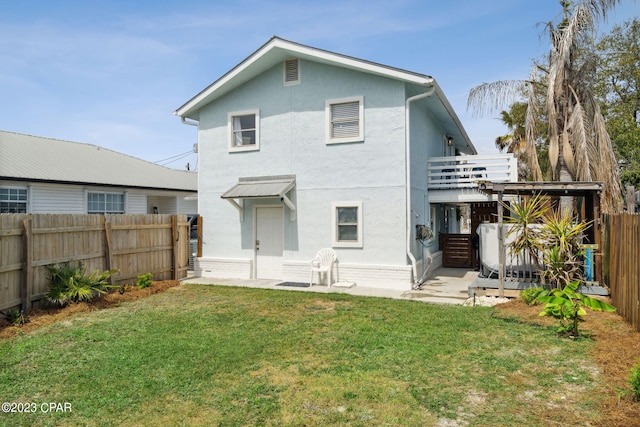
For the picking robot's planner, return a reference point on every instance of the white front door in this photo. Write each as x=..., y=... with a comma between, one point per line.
x=269, y=243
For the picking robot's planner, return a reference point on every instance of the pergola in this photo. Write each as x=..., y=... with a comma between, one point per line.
x=588, y=191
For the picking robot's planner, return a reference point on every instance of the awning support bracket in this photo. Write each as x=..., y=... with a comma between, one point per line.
x=238, y=205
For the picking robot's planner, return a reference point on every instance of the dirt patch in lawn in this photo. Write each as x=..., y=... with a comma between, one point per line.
x=616, y=351
x=46, y=316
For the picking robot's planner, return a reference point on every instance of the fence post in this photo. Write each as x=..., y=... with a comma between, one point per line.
x=108, y=246
x=27, y=276
x=631, y=199
x=199, y=254
x=175, y=236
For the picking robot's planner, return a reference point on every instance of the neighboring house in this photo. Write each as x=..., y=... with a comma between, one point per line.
x=45, y=175
x=302, y=149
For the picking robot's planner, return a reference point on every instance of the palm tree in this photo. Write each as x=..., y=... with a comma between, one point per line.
x=579, y=145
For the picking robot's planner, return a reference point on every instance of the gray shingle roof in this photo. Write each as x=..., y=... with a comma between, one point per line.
x=27, y=157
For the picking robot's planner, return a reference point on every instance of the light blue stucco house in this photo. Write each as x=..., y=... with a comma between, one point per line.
x=302, y=149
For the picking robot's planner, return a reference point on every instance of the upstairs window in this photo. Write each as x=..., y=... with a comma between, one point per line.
x=243, y=128
x=291, y=72
x=105, y=203
x=345, y=120
x=13, y=200
x=347, y=221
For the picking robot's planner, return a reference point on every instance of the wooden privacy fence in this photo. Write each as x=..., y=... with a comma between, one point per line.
x=621, y=264
x=132, y=244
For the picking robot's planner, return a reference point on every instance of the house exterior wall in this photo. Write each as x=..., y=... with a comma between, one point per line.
x=292, y=140
x=72, y=199
x=427, y=140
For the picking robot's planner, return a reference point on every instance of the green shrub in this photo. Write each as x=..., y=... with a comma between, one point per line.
x=16, y=317
x=634, y=380
x=72, y=283
x=144, y=281
x=567, y=305
x=530, y=295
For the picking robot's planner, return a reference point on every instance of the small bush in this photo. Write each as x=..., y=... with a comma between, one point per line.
x=127, y=288
x=144, y=281
x=72, y=284
x=634, y=380
x=16, y=317
x=530, y=295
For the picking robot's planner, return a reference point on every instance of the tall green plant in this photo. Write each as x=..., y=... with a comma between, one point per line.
x=526, y=236
x=72, y=283
x=567, y=305
x=562, y=258
x=556, y=237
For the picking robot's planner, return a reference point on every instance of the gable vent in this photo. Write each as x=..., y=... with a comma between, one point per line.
x=291, y=72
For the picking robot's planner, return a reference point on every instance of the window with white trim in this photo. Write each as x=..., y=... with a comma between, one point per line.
x=105, y=203
x=243, y=131
x=13, y=200
x=345, y=120
x=291, y=72
x=347, y=224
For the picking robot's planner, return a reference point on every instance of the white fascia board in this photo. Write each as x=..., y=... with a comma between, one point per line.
x=194, y=102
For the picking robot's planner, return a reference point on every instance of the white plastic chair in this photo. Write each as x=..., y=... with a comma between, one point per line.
x=323, y=265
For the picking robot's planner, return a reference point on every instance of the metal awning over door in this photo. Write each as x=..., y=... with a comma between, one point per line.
x=262, y=187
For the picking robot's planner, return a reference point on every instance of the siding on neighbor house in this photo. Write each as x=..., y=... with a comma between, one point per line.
x=163, y=204
x=187, y=205
x=71, y=199
x=50, y=198
x=135, y=203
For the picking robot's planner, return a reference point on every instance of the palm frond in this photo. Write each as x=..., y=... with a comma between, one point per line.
x=488, y=98
x=531, y=120
x=607, y=170
x=582, y=141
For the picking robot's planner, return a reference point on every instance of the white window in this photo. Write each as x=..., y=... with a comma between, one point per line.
x=105, y=203
x=243, y=131
x=13, y=200
x=347, y=224
x=345, y=120
x=291, y=72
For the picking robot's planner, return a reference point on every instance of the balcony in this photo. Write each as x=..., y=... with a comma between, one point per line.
x=465, y=171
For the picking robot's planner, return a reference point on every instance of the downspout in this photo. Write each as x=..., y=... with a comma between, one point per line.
x=407, y=149
x=184, y=121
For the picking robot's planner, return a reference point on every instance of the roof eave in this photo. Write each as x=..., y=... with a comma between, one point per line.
x=454, y=117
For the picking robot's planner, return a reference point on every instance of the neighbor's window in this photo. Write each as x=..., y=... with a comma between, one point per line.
x=347, y=223
x=105, y=203
x=13, y=200
x=345, y=120
x=244, y=131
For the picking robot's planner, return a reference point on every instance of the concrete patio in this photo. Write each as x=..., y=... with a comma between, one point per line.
x=445, y=286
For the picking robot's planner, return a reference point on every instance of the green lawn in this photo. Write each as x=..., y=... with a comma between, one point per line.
x=208, y=355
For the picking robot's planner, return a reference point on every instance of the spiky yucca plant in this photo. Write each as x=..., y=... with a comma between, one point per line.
x=563, y=234
x=527, y=238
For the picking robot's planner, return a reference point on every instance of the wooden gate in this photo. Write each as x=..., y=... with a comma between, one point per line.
x=457, y=250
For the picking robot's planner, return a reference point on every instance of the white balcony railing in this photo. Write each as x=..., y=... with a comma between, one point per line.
x=465, y=171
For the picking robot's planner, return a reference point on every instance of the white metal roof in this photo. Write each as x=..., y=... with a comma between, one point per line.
x=265, y=186
x=32, y=158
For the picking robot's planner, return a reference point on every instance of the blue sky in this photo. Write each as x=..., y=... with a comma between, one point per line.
x=111, y=73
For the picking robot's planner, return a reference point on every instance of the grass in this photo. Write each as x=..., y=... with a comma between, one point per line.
x=208, y=355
